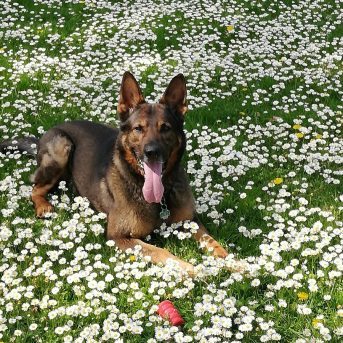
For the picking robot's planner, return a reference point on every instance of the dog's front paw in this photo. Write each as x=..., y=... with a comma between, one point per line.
x=219, y=252
x=236, y=266
x=43, y=208
x=188, y=269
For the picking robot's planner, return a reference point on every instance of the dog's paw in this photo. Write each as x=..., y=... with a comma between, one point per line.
x=219, y=252
x=43, y=208
x=237, y=266
x=188, y=269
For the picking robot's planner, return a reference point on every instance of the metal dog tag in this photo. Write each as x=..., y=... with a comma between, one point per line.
x=165, y=213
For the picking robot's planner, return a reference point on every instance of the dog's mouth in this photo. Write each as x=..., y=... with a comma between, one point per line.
x=141, y=162
x=152, y=171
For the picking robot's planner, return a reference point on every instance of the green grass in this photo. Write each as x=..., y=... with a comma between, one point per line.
x=225, y=112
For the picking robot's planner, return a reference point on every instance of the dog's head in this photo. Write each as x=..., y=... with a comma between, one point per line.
x=152, y=136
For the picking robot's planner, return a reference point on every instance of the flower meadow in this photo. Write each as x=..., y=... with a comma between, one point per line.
x=264, y=156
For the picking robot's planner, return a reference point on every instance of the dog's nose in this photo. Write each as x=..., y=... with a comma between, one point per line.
x=152, y=151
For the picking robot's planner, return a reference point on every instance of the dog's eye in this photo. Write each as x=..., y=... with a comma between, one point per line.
x=138, y=128
x=165, y=127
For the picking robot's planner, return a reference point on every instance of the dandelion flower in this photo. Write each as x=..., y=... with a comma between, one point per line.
x=278, y=181
x=316, y=322
x=302, y=296
x=299, y=135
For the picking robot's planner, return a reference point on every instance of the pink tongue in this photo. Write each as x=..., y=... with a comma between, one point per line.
x=153, y=188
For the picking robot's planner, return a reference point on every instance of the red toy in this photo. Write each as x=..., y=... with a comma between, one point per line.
x=167, y=310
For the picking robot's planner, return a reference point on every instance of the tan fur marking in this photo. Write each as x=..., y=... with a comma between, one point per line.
x=42, y=206
x=209, y=243
x=59, y=149
x=130, y=158
x=157, y=255
x=57, y=152
x=45, y=162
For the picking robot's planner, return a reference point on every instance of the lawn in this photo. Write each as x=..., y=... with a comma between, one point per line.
x=264, y=156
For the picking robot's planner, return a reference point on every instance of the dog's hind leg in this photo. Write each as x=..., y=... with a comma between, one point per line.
x=53, y=154
x=42, y=206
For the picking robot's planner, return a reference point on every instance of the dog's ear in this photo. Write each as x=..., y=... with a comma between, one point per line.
x=175, y=94
x=130, y=96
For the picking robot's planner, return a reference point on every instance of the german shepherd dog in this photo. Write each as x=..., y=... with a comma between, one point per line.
x=133, y=174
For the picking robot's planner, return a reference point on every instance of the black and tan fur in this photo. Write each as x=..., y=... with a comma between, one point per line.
x=103, y=164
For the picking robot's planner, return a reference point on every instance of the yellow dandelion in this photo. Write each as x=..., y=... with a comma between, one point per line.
x=299, y=135
x=302, y=296
x=278, y=181
x=230, y=28
x=319, y=136
x=296, y=126
x=316, y=322
x=132, y=258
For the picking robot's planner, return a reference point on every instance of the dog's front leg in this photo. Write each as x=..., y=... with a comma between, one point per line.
x=157, y=255
x=208, y=243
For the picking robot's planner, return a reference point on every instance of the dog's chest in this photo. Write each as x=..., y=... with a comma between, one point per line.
x=139, y=221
